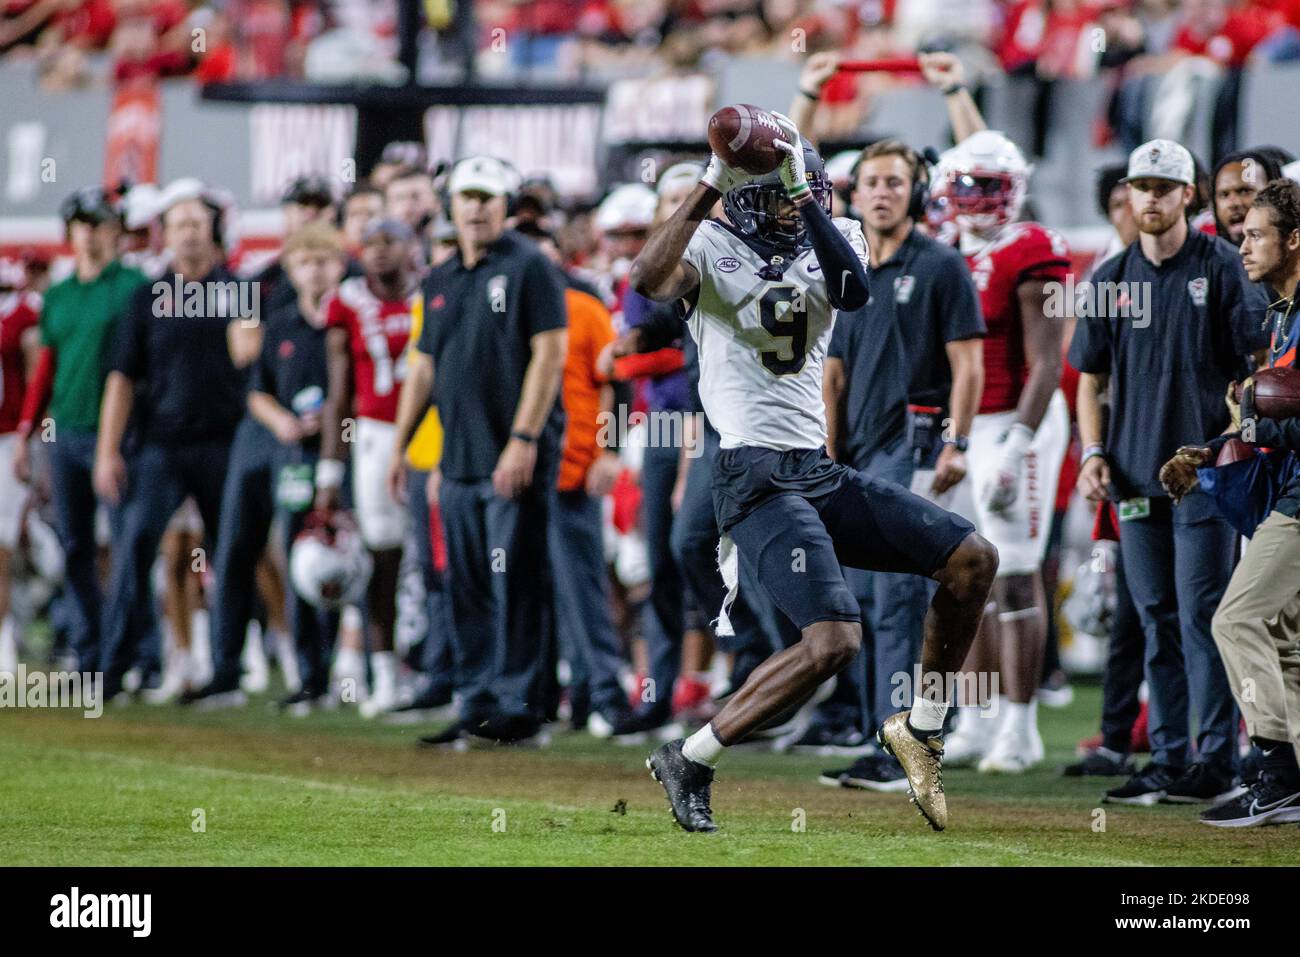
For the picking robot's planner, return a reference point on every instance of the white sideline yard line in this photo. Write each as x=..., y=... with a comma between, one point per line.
x=290, y=781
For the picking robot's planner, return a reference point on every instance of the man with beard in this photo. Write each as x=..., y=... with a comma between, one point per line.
x=1237, y=178
x=1169, y=365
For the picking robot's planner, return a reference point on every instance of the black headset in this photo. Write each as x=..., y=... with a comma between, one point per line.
x=919, y=163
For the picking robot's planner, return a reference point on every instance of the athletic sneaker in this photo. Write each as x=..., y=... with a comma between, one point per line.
x=215, y=695
x=971, y=739
x=616, y=724
x=688, y=785
x=1010, y=754
x=429, y=706
x=922, y=761
x=1102, y=762
x=874, y=772
x=826, y=741
x=1146, y=787
x=1203, y=783
x=455, y=733
x=303, y=702
x=1268, y=801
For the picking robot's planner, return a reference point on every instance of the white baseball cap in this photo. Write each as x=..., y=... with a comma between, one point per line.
x=679, y=173
x=483, y=174
x=630, y=206
x=1161, y=159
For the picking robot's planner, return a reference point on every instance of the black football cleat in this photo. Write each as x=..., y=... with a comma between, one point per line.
x=687, y=784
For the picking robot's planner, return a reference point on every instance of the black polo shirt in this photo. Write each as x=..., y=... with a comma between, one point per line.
x=1169, y=377
x=892, y=348
x=292, y=366
x=478, y=327
x=187, y=387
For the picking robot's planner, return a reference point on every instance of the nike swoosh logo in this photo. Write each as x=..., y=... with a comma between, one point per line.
x=1256, y=807
x=844, y=281
x=814, y=267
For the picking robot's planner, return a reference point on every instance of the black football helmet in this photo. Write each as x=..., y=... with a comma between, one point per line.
x=754, y=207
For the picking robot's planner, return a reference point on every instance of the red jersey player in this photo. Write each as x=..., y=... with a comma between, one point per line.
x=19, y=345
x=1019, y=438
x=369, y=323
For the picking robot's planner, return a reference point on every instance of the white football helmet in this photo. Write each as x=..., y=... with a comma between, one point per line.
x=329, y=565
x=981, y=183
x=627, y=207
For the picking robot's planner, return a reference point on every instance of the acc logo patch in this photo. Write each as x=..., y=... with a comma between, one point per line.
x=727, y=264
x=903, y=287
x=1197, y=288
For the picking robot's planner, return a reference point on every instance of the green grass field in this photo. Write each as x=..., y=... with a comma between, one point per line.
x=333, y=789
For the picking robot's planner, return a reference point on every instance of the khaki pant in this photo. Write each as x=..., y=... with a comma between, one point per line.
x=1257, y=630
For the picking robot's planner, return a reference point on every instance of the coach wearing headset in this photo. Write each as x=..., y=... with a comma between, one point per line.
x=902, y=381
x=172, y=375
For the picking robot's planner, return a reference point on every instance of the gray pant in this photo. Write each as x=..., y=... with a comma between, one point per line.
x=1177, y=563
x=499, y=575
x=582, y=602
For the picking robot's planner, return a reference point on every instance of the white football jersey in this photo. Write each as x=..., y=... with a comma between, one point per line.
x=762, y=342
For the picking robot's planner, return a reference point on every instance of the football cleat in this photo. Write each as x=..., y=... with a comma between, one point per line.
x=688, y=785
x=922, y=762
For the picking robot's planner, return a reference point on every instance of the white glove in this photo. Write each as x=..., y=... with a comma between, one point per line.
x=722, y=177
x=794, y=176
x=1001, y=493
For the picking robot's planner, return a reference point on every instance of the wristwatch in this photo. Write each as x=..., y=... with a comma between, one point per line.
x=960, y=442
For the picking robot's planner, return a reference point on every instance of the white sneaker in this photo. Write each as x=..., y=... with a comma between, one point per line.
x=971, y=740
x=1011, y=754
x=287, y=656
x=257, y=673
x=383, y=695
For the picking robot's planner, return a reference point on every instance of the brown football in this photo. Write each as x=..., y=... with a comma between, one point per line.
x=1277, y=393
x=1234, y=450
x=742, y=137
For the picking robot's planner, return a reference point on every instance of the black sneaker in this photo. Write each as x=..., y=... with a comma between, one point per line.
x=826, y=741
x=1146, y=787
x=616, y=723
x=1202, y=783
x=1269, y=801
x=303, y=702
x=430, y=705
x=1099, y=764
x=873, y=772
x=507, y=729
x=687, y=783
x=213, y=695
x=453, y=733
x=877, y=772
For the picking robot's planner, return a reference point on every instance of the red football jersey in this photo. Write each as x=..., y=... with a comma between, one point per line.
x=1021, y=251
x=378, y=330
x=19, y=311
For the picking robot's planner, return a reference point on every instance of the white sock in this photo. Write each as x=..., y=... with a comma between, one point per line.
x=927, y=715
x=8, y=645
x=703, y=747
x=383, y=666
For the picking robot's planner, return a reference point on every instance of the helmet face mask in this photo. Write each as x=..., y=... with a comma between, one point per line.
x=760, y=208
x=982, y=182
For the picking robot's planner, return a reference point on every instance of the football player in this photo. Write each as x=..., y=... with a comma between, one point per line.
x=369, y=323
x=1022, y=428
x=764, y=288
x=20, y=343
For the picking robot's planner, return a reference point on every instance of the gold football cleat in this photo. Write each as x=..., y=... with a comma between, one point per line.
x=922, y=761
